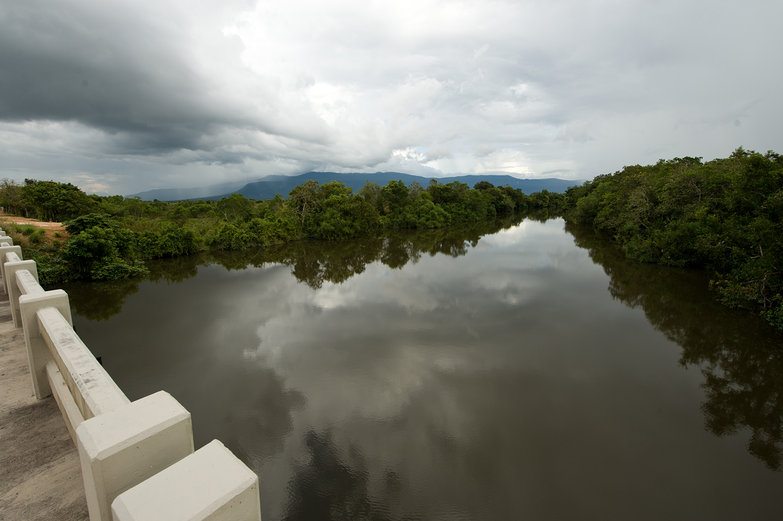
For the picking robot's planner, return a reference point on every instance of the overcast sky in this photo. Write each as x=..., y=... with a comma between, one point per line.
x=124, y=96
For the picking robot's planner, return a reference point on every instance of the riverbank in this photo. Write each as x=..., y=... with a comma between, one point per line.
x=41, y=478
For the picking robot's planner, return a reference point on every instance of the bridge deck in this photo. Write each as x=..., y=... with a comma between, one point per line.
x=40, y=478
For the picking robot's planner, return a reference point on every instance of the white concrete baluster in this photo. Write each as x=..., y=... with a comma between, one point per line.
x=209, y=485
x=122, y=448
x=38, y=354
x=6, y=248
x=11, y=287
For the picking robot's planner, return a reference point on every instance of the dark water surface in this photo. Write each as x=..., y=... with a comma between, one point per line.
x=529, y=374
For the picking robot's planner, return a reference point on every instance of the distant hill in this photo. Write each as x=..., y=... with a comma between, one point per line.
x=268, y=187
x=180, y=194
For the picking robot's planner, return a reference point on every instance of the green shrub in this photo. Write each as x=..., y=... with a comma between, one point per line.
x=37, y=236
x=25, y=229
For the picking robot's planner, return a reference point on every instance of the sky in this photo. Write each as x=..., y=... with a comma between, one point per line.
x=121, y=96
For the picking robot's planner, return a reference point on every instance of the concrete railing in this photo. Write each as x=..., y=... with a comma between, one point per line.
x=137, y=458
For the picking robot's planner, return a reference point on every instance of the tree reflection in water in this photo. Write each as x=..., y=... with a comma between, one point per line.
x=103, y=300
x=740, y=356
x=331, y=487
x=100, y=300
x=311, y=262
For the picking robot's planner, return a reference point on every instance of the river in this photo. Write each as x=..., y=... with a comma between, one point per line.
x=523, y=371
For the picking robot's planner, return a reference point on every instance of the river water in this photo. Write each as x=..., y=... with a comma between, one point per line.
x=525, y=372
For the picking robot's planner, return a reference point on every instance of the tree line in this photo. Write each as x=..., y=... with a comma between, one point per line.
x=724, y=216
x=110, y=238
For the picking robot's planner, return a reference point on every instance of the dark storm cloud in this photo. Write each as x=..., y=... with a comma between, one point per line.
x=103, y=65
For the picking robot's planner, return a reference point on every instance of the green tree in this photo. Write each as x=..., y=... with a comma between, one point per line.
x=724, y=215
x=11, y=196
x=52, y=201
x=235, y=207
x=103, y=253
x=304, y=200
x=394, y=196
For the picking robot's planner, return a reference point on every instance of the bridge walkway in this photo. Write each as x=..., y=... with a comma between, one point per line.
x=40, y=476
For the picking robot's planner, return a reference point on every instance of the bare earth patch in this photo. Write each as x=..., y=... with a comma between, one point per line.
x=50, y=227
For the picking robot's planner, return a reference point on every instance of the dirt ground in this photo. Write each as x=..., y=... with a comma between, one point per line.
x=50, y=227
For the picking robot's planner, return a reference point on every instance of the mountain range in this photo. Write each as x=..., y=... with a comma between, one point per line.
x=267, y=187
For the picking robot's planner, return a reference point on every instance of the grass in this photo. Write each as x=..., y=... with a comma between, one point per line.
x=25, y=229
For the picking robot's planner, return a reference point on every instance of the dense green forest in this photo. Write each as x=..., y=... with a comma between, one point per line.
x=723, y=216
x=110, y=238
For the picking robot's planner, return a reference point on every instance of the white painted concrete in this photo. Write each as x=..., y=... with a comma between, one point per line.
x=209, y=485
x=12, y=288
x=7, y=248
x=91, y=386
x=122, y=448
x=38, y=354
x=28, y=283
x=62, y=395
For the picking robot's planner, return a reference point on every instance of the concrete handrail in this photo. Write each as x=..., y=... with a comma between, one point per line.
x=86, y=378
x=27, y=284
x=12, y=264
x=121, y=444
x=7, y=246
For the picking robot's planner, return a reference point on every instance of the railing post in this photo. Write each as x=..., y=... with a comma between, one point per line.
x=9, y=275
x=209, y=485
x=122, y=448
x=3, y=251
x=37, y=351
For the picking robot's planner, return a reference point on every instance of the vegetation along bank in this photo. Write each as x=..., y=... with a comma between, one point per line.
x=723, y=216
x=110, y=238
